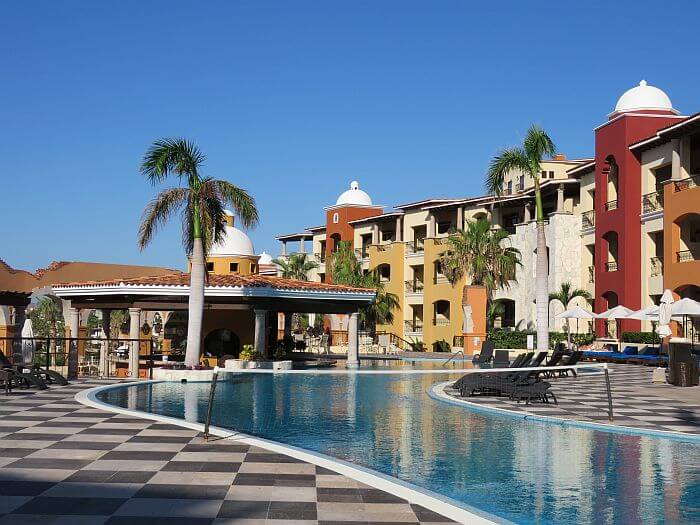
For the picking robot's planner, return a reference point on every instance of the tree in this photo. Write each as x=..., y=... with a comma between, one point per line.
x=344, y=268
x=566, y=294
x=47, y=319
x=201, y=201
x=296, y=266
x=527, y=159
x=481, y=253
x=495, y=310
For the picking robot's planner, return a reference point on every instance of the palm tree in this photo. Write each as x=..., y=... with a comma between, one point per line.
x=344, y=268
x=201, y=200
x=296, y=266
x=527, y=159
x=481, y=253
x=566, y=294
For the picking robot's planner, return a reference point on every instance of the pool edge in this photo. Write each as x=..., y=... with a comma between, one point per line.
x=430, y=500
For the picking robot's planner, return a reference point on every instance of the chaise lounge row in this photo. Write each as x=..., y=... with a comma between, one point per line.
x=26, y=376
x=648, y=355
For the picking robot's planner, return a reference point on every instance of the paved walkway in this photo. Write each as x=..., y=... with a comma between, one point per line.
x=67, y=464
x=636, y=401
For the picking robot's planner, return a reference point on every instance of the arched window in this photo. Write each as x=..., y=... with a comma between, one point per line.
x=612, y=262
x=335, y=239
x=384, y=271
x=686, y=234
x=612, y=172
x=441, y=313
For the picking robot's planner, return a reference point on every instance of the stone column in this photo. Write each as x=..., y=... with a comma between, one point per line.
x=260, y=330
x=134, y=331
x=353, y=341
x=20, y=315
x=432, y=228
x=104, y=347
x=302, y=248
x=460, y=218
x=287, y=324
x=528, y=213
x=399, y=229
x=284, y=247
x=74, y=326
x=560, y=198
x=375, y=234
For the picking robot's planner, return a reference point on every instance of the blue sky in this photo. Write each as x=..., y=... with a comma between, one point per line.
x=293, y=100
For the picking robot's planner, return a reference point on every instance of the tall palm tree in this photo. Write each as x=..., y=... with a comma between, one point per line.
x=566, y=294
x=201, y=201
x=296, y=266
x=527, y=159
x=344, y=268
x=481, y=253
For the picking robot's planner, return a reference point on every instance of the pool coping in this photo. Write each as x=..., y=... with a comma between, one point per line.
x=437, y=392
x=414, y=494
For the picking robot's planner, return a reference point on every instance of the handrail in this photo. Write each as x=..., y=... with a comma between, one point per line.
x=458, y=352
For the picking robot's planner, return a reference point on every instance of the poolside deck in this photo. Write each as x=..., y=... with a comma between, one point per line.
x=637, y=403
x=65, y=463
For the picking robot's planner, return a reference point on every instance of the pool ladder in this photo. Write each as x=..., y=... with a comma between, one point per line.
x=453, y=356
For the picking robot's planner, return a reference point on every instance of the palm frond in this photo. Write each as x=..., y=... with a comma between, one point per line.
x=159, y=211
x=537, y=145
x=172, y=156
x=507, y=160
x=241, y=202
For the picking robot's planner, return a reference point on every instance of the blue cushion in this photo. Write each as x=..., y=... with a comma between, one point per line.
x=650, y=351
x=630, y=350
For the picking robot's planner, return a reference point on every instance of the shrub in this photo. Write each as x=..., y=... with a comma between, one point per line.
x=249, y=354
x=515, y=340
x=417, y=345
x=442, y=346
x=640, y=337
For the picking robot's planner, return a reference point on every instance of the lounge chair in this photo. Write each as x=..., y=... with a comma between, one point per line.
x=20, y=377
x=486, y=353
x=488, y=382
x=6, y=381
x=538, y=390
x=501, y=359
x=49, y=376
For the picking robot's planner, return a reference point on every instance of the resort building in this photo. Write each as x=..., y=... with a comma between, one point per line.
x=623, y=224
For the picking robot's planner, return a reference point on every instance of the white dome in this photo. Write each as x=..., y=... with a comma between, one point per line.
x=235, y=242
x=354, y=196
x=643, y=96
x=265, y=258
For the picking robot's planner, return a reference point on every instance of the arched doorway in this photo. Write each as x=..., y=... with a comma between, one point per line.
x=222, y=342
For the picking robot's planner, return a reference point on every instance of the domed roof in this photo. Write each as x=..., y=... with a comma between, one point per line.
x=265, y=258
x=644, y=96
x=234, y=242
x=354, y=196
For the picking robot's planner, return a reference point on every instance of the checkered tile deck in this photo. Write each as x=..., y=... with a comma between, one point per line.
x=67, y=464
x=636, y=401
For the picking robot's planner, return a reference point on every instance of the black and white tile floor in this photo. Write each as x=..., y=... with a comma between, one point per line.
x=63, y=463
x=636, y=402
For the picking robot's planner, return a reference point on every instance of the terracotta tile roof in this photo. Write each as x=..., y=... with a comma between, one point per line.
x=223, y=281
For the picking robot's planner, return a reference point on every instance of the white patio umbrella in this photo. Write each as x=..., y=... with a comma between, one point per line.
x=28, y=343
x=687, y=308
x=616, y=312
x=575, y=313
x=665, y=313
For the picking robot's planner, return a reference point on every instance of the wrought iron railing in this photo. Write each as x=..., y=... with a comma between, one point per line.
x=591, y=274
x=519, y=186
x=688, y=183
x=686, y=256
x=414, y=287
x=414, y=327
x=588, y=219
x=611, y=205
x=458, y=341
x=441, y=321
x=656, y=266
x=652, y=202
x=440, y=279
x=416, y=246
x=321, y=257
x=611, y=266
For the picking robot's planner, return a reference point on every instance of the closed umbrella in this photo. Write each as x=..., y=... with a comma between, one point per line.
x=28, y=343
x=665, y=313
x=575, y=313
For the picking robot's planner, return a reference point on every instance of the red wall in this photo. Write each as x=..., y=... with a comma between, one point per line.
x=346, y=214
x=614, y=139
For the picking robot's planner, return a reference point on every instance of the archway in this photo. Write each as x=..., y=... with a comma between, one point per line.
x=221, y=342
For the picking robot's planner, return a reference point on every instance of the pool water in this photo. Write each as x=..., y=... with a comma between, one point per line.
x=522, y=471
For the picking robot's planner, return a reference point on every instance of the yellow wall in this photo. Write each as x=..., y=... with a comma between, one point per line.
x=246, y=265
x=393, y=255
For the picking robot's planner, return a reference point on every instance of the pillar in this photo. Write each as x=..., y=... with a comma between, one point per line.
x=432, y=229
x=104, y=347
x=528, y=213
x=260, y=331
x=399, y=229
x=74, y=327
x=287, y=324
x=24, y=352
x=375, y=234
x=284, y=247
x=353, y=341
x=134, y=330
x=302, y=248
x=460, y=218
x=676, y=160
x=560, y=199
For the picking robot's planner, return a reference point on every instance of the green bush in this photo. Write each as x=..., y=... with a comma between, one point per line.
x=640, y=337
x=249, y=354
x=442, y=346
x=516, y=340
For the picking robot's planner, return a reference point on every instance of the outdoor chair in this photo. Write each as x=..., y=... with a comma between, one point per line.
x=485, y=382
x=540, y=390
x=486, y=354
x=501, y=359
x=49, y=376
x=6, y=381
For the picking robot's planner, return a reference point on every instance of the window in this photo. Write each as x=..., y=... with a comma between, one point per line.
x=510, y=187
x=544, y=174
x=335, y=218
x=253, y=268
x=210, y=266
x=551, y=174
x=233, y=267
x=444, y=227
x=384, y=273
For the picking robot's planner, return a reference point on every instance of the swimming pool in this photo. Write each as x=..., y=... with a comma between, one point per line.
x=523, y=471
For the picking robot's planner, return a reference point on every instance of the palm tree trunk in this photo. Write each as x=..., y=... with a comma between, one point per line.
x=541, y=276
x=196, y=304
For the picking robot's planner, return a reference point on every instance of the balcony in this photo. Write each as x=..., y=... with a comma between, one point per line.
x=441, y=321
x=686, y=184
x=652, y=202
x=611, y=266
x=440, y=279
x=413, y=327
x=519, y=186
x=591, y=274
x=415, y=246
x=320, y=257
x=656, y=267
x=611, y=205
x=686, y=256
x=362, y=253
x=414, y=287
x=588, y=219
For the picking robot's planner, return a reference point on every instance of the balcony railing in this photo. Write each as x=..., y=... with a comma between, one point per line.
x=588, y=219
x=611, y=205
x=441, y=321
x=415, y=246
x=591, y=274
x=440, y=279
x=611, y=266
x=415, y=327
x=686, y=256
x=321, y=257
x=656, y=266
x=414, y=287
x=362, y=253
x=653, y=201
x=519, y=186
x=685, y=184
